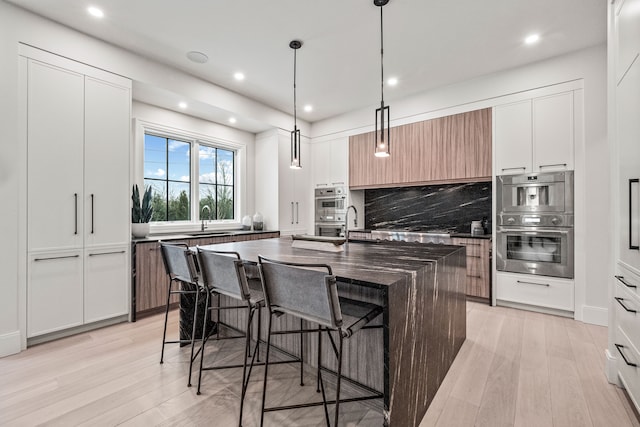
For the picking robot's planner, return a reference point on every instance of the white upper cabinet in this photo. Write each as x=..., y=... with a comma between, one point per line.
x=628, y=35
x=535, y=135
x=107, y=119
x=553, y=139
x=513, y=138
x=330, y=163
x=55, y=128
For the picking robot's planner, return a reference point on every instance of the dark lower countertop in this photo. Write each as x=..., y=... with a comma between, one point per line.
x=197, y=235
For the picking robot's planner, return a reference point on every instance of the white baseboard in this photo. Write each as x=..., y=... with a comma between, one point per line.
x=611, y=368
x=595, y=315
x=9, y=343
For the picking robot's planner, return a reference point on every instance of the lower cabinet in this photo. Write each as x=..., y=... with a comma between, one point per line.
x=106, y=276
x=538, y=291
x=478, y=265
x=54, y=292
x=149, y=278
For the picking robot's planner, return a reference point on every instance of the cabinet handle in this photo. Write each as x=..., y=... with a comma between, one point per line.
x=553, y=165
x=336, y=183
x=620, y=347
x=624, y=282
x=632, y=246
x=291, y=212
x=107, y=253
x=91, y=213
x=476, y=277
x=513, y=169
x=75, y=197
x=630, y=310
x=533, y=283
x=474, y=256
x=297, y=213
x=56, y=257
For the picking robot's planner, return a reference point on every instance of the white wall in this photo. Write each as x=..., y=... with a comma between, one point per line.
x=586, y=67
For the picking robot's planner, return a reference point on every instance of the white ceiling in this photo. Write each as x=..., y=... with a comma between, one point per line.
x=428, y=43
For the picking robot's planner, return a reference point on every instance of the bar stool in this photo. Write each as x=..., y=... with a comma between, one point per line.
x=182, y=269
x=309, y=292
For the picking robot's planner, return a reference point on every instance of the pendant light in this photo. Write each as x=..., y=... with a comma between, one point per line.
x=295, y=134
x=382, y=132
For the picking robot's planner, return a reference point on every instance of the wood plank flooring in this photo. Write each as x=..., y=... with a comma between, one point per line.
x=516, y=368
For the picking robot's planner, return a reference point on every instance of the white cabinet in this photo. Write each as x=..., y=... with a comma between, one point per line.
x=535, y=135
x=628, y=35
x=78, y=133
x=330, y=163
x=283, y=195
x=538, y=291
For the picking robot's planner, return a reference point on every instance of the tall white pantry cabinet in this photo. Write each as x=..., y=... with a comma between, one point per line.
x=78, y=218
x=624, y=123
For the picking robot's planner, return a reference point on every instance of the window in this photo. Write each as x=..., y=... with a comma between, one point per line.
x=168, y=170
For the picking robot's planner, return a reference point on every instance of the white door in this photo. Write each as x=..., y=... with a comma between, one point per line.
x=302, y=192
x=286, y=177
x=106, y=292
x=107, y=192
x=513, y=143
x=553, y=133
x=54, y=292
x=55, y=157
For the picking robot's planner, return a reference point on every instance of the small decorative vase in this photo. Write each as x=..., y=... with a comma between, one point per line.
x=258, y=223
x=246, y=222
x=140, y=229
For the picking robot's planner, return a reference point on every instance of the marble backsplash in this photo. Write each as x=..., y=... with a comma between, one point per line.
x=447, y=207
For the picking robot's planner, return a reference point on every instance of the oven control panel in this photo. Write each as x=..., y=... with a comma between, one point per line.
x=535, y=220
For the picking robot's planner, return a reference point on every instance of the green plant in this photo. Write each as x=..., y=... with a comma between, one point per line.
x=141, y=212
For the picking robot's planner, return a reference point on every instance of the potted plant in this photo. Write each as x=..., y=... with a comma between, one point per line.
x=141, y=212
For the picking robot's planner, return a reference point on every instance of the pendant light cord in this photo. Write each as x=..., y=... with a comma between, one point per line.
x=295, y=115
x=381, y=61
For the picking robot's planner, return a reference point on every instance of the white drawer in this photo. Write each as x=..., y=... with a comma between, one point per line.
x=629, y=369
x=627, y=309
x=540, y=291
x=628, y=278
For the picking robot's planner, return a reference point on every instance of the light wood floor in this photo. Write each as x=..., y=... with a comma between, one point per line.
x=516, y=368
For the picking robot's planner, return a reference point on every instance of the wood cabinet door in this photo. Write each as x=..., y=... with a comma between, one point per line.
x=553, y=132
x=55, y=157
x=107, y=191
x=513, y=141
x=477, y=144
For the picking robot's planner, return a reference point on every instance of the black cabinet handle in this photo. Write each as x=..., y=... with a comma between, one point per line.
x=75, y=197
x=533, y=283
x=91, y=213
x=632, y=245
x=56, y=257
x=624, y=282
x=630, y=310
x=107, y=253
x=620, y=347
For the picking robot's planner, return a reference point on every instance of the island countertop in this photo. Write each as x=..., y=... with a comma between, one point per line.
x=422, y=290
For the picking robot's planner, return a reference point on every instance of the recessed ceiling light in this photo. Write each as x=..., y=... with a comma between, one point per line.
x=392, y=81
x=232, y=120
x=197, y=57
x=94, y=11
x=532, y=39
x=182, y=105
x=308, y=108
x=238, y=76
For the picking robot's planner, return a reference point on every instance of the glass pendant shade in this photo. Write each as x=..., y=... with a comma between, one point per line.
x=382, y=133
x=295, y=149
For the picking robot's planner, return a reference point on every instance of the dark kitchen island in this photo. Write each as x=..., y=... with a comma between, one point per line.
x=422, y=290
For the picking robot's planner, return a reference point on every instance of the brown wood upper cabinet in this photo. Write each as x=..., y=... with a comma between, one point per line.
x=454, y=148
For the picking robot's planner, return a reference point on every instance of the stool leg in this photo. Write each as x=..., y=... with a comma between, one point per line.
x=247, y=347
x=166, y=316
x=319, y=352
x=266, y=367
x=339, y=378
x=301, y=353
x=257, y=349
x=205, y=337
x=193, y=333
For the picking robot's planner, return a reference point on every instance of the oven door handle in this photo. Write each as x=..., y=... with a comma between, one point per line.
x=528, y=231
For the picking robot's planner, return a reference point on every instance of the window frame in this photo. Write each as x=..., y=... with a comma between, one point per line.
x=195, y=140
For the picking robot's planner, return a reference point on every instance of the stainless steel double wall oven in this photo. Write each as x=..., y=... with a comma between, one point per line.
x=535, y=233
x=330, y=211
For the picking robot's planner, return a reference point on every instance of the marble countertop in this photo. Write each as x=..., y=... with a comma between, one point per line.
x=372, y=262
x=462, y=235
x=196, y=235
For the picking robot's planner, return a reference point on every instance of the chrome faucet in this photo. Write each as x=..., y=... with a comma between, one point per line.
x=346, y=221
x=208, y=209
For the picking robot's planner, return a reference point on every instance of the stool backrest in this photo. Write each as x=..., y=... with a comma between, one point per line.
x=179, y=262
x=220, y=273
x=307, y=291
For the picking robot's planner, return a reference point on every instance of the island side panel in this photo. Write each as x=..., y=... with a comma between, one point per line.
x=427, y=326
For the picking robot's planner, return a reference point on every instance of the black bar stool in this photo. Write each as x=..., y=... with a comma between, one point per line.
x=182, y=269
x=309, y=292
